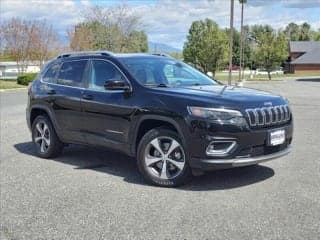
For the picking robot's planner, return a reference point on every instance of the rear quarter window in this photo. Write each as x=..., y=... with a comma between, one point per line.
x=51, y=73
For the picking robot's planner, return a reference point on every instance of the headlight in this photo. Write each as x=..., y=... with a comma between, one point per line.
x=214, y=113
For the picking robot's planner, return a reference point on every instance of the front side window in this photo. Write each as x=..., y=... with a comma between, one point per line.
x=102, y=72
x=71, y=73
x=51, y=73
x=151, y=71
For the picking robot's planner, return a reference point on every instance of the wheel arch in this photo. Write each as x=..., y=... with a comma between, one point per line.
x=149, y=122
x=37, y=110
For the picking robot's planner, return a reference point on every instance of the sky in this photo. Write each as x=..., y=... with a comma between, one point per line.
x=168, y=21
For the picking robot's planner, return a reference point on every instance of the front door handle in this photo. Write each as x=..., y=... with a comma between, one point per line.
x=51, y=91
x=87, y=96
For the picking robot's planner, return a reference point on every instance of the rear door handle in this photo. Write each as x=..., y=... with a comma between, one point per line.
x=87, y=96
x=48, y=90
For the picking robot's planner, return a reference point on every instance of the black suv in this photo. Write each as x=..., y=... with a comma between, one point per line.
x=172, y=118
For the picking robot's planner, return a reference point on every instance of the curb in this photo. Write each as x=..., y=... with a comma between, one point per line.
x=13, y=89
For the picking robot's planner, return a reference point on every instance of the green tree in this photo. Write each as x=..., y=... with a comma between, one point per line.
x=137, y=42
x=305, y=34
x=295, y=32
x=271, y=48
x=206, y=46
x=247, y=50
x=292, y=31
x=316, y=35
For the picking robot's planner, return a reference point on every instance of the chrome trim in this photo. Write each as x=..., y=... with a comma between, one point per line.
x=56, y=77
x=222, y=152
x=275, y=115
x=113, y=131
x=270, y=115
x=87, y=88
x=248, y=113
x=239, y=162
x=256, y=116
x=264, y=117
x=217, y=110
x=84, y=53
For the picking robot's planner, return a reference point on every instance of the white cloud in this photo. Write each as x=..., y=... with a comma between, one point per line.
x=286, y=3
x=61, y=14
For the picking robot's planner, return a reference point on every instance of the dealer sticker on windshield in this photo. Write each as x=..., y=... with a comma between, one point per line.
x=277, y=137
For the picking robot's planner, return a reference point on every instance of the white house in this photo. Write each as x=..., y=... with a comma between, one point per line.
x=9, y=70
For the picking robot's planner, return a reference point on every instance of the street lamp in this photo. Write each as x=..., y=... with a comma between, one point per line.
x=230, y=40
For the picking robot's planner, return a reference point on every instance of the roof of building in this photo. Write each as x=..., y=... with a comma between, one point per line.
x=311, y=51
x=303, y=46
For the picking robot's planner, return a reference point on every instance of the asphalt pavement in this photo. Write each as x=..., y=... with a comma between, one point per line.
x=90, y=193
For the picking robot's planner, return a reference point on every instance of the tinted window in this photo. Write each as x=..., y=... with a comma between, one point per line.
x=51, y=73
x=102, y=72
x=71, y=73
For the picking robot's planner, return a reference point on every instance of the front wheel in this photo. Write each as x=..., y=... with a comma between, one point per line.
x=162, y=158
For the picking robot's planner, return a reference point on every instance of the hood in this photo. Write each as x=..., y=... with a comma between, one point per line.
x=223, y=95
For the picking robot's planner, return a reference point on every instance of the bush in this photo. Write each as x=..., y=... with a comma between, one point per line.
x=26, y=78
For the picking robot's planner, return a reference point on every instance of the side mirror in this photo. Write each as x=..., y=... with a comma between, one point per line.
x=116, y=85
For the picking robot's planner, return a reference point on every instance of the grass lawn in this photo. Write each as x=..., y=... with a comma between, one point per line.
x=235, y=76
x=8, y=84
x=303, y=74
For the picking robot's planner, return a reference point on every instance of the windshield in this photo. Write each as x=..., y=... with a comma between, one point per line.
x=165, y=72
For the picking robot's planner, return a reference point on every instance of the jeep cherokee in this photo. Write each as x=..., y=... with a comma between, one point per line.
x=172, y=118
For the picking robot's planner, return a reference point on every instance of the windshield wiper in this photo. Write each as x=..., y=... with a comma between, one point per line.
x=157, y=85
x=162, y=85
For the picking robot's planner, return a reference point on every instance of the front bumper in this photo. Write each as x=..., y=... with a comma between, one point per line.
x=210, y=164
x=252, y=145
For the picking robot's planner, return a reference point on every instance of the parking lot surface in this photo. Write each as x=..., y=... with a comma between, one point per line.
x=90, y=193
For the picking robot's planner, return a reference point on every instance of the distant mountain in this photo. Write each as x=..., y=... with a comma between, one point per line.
x=162, y=48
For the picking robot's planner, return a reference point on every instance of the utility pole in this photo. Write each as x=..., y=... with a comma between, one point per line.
x=241, y=45
x=230, y=40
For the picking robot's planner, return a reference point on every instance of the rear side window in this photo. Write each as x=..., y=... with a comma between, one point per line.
x=71, y=73
x=51, y=73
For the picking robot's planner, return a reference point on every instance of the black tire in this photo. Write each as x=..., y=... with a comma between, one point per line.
x=184, y=174
x=55, y=146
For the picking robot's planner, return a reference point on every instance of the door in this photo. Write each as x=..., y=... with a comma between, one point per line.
x=106, y=112
x=67, y=93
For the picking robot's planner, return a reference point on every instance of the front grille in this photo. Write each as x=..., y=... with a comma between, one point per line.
x=267, y=116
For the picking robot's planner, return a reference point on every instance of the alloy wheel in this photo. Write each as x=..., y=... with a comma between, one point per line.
x=42, y=136
x=164, y=158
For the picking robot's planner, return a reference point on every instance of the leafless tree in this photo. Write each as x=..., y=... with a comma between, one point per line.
x=44, y=41
x=115, y=28
x=80, y=38
x=28, y=40
x=15, y=34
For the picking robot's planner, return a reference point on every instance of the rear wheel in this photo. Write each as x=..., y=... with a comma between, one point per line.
x=45, y=139
x=162, y=158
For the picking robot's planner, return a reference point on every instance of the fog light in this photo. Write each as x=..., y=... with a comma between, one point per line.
x=220, y=148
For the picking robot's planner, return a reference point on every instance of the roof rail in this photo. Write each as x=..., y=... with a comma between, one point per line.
x=84, y=53
x=161, y=54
